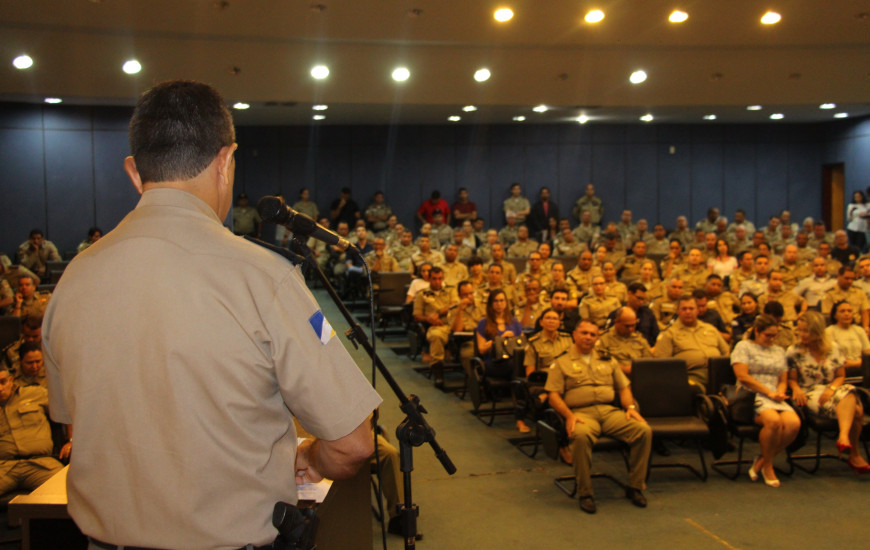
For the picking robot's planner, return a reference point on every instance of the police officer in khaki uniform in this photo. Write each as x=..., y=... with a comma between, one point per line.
x=530, y=305
x=694, y=272
x=792, y=304
x=692, y=340
x=665, y=308
x=534, y=271
x=622, y=341
x=29, y=302
x=495, y=281
x=404, y=250
x=583, y=384
x=25, y=436
x=845, y=291
x=509, y=271
x=32, y=369
x=431, y=306
x=793, y=271
x=517, y=204
x=597, y=306
x=507, y=235
x=454, y=270
x=722, y=302
x=547, y=344
x=378, y=212
x=378, y=259
x=426, y=254
x=583, y=272
x=523, y=245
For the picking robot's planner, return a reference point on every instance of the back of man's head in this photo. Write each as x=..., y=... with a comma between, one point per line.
x=177, y=129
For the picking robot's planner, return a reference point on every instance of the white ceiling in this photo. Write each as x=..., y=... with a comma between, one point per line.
x=719, y=61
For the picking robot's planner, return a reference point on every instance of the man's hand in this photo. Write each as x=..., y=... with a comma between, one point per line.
x=434, y=320
x=570, y=422
x=65, y=450
x=632, y=413
x=305, y=472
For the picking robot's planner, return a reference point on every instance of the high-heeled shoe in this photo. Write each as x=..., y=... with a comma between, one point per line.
x=770, y=482
x=753, y=473
x=864, y=469
x=844, y=448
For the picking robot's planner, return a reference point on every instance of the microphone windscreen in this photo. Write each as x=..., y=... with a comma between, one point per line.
x=270, y=208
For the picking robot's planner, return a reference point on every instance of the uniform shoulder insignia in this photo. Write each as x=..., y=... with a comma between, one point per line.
x=561, y=354
x=603, y=354
x=535, y=337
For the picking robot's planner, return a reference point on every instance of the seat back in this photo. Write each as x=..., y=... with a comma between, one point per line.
x=392, y=288
x=10, y=329
x=55, y=269
x=719, y=373
x=865, y=369
x=661, y=387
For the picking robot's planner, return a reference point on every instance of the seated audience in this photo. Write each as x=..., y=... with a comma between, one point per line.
x=622, y=341
x=31, y=331
x=534, y=270
x=613, y=287
x=649, y=278
x=813, y=288
x=582, y=386
x=761, y=367
x=495, y=281
x=523, y=246
x=498, y=322
x=723, y=263
x=32, y=369
x=36, y=252
x=426, y=254
x=855, y=296
x=568, y=316
x=723, y=302
x=431, y=306
x=379, y=260
x=377, y=213
x=475, y=272
x=94, y=235
x=558, y=280
x=665, y=308
x=595, y=307
x=583, y=272
x=817, y=378
x=509, y=272
x=27, y=300
x=454, y=270
x=404, y=250
x=421, y=282
x=749, y=310
x=530, y=304
x=710, y=316
x=793, y=305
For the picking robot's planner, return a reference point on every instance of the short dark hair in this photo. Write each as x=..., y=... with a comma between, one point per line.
x=93, y=231
x=475, y=260
x=36, y=231
x=28, y=347
x=32, y=322
x=774, y=308
x=177, y=129
x=435, y=270
x=699, y=293
x=634, y=287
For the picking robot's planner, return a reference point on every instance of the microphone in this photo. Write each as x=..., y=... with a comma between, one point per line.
x=274, y=210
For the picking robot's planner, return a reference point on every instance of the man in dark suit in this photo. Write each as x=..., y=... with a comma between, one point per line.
x=541, y=212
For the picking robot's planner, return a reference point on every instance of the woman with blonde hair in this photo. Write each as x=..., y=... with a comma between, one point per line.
x=817, y=375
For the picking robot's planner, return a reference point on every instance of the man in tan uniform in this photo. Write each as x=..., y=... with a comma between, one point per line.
x=431, y=307
x=25, y=436
x=426, y=254
x=665, y=308
x=597, y=306
x=378, y=259
x=583, y=385
x=720, y=301
x=28, y=301
x=403, y=250
x=792, y=304
x=495, y=280
x=793, y=271
x=692, y=340
x=454, y=270
x=535, y=271
x=32, y=369
x=622, y=341
x=694, y=273
x=524, y=245
x=583, y=272
x=855, y=296
x=509, y=271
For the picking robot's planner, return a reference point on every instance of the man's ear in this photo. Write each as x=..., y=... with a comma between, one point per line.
x=133, y=173
x=225, y=165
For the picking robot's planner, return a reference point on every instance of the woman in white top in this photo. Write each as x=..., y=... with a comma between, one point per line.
x=723, y=263
x=849, y=337
x=857, y=223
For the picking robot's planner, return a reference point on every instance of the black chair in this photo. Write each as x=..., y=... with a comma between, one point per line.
x=671, y=408
x=10, y=330
x=526, y=394
x=54, y=270
x=553, y=437
x=391, y=291
x=487, y=389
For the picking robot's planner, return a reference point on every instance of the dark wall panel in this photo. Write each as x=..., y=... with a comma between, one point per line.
x=261, y=171
x=772, y=189
x=506, y=167
x=608, y=175
x=542, y=170
x=23, y=183
x=707, y=179
x=473, y=173
x=115, y=194
x=675, y=180
x=739, y=165
x=334, y=170
x=575, y=173
x=402, y=190
x=805, y=180
x=69, y=176
x=641, y=181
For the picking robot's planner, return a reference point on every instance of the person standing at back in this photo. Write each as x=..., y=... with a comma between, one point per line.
x=180, y=353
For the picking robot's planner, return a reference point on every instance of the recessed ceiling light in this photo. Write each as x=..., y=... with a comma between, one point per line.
x=594, y=16
x=22, y=62
x=709, y=117
x=53, y=100
x=454, y=118
x=770, y=18
x=827, y=106
x=482, y=75
x=637, y=77
x=503, y=14
x=318, y=117
x=241, y=105
x=540, y=109
x=753, y=108
x=519, y=118
x=582, y=119
x=678, y=16
x=401, y=74
x=841, y=115
x=319, y=107
x=132, y=67
x=647, y=118
x=319, y=72
x=469, y=108
x=777, y=116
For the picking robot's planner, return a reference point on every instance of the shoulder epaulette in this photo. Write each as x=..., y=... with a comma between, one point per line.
x=561, y=354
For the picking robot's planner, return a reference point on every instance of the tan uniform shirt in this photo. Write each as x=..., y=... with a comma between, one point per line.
x=454, y=272
x=36, y=305
x=508, y=271
x=665, y=310
x=692, y=278
x=596, y=309
x=430, y=301
x=433, y=257
x=617, y=290
x=522, y=249
x=855, y=296
x=792, y=274
x=583, y=279
x=593, y=205
x=403, y=254
x=481, y=295
x=24, y=427
x=507, y=235
x=693, y=344
x=517, y=205
x=724, y=305
x=541, y=351
x=791, y=303
x=623, y=349
x=385, y=263
x=209, y=362
x=585, y=380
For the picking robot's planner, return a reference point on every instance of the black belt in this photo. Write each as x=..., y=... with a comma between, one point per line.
x=107, y=546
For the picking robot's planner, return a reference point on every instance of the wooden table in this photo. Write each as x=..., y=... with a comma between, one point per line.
x=46, y=506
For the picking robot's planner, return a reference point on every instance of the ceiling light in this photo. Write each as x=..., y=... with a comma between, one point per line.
x=454, y=118
x=519, y=118
x=132, y=67
x=753, y=108
x=709, y=117
x=241, y=105
x=582, y=119
x=319, y=72
x=319, y=107
x=841, y=115
x=637, y=77
x=678, y=16
x=318, y=117
x=503, y=14
x=482, y=75
x=777, y=116
x=401, y=74
x=770, y=18
x=647, y=118
x=827, y=105
x=53, y=100
x=540, y=109
x=469, y=108
x=594, y=16
x=22, y=62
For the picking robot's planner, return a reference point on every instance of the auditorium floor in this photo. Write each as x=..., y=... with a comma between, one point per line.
x=499, y=498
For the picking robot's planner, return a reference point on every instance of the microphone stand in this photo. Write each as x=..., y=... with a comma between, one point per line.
x=414, y=430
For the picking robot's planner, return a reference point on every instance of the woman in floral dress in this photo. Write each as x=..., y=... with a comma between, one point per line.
x=816, y=376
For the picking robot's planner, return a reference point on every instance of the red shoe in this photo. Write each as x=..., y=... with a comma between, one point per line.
x=865, y=469
x=844, y=448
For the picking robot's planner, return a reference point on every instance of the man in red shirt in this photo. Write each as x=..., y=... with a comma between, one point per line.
x=429, y=206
